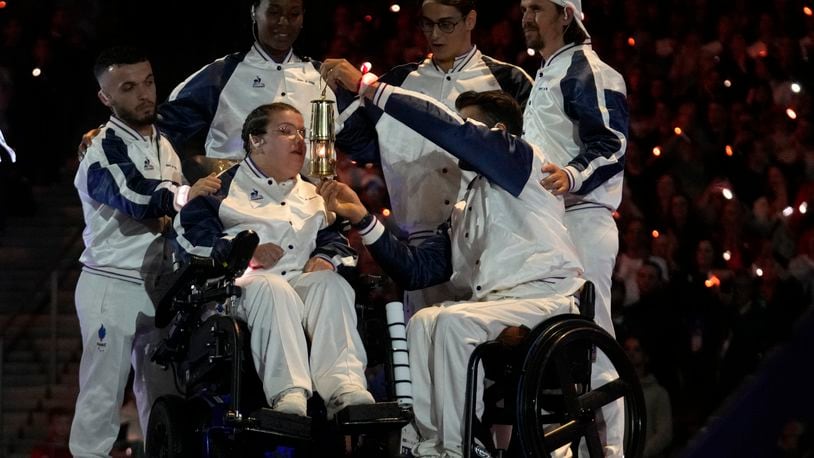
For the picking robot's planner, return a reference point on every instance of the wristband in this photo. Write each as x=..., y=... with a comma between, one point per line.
x=181, y=197
x=364, y=222
x=364, y=82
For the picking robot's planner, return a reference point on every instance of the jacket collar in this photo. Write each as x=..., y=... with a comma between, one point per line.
x=461, y=61
x=128, y=133
x=258, y=51
x=567, y=49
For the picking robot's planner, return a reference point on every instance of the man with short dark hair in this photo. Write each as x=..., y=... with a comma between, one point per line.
x=504, y=243
x=130, y=185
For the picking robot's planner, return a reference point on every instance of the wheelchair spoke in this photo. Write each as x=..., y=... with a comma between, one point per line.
x=604, y=395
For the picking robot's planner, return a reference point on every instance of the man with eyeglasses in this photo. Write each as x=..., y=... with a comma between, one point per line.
x=422, y=179
x=293, y=294
x=577, y=114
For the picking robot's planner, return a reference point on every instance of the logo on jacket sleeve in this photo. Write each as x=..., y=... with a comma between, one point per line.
x=258, y=82
x=255, y=195
x=148, y=165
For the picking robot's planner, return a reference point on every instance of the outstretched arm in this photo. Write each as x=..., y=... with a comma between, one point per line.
x=501, y=157
x=412, y=267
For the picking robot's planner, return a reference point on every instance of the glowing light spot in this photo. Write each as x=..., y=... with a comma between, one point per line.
x=791, y=113
x=631, y=41
x=368, y=18
x=806, y=10
x=727, y=255
x=803, y=208
x=727, y=83
x=365, y=67
x=616, y=215
x=729, y=150
x=655, y=234
x=678, y=130
x=788, y=211
x=763, y=53
x=386, y=212
x=36, y=72
x=712, y=282
x=395, y=8
x=2, y=4
x=369, y=165
x=796, y=88
x=759, y=272
x=727, y=193
x=531, y=52
x=657, y=151
x=353, y=162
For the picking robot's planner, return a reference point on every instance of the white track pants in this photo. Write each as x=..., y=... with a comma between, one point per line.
x=116, y=321
x=283, y=317
x=596, y=237
x=441, y=340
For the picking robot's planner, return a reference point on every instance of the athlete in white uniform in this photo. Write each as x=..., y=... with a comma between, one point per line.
x=422, y=179
x=216, y=99
x=292, y=294
x=129, y=183
x=577, y=114
x=506, y=244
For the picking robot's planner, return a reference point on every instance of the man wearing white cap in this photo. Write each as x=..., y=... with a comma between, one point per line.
x=577, y=115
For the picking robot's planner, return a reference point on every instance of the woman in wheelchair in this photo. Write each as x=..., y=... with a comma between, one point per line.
x=293, y=294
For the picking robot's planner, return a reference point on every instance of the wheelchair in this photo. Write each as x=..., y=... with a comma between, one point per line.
x=542, y=388
x=222, y=411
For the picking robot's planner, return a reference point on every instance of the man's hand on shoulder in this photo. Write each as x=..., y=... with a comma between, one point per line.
x=87, y=139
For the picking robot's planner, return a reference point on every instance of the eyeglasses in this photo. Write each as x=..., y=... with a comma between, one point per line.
x=291, y=132
x=444, y=25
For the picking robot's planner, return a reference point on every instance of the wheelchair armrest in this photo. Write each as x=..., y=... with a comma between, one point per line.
x=587, y=301
x=168, y=286
x=198, y=269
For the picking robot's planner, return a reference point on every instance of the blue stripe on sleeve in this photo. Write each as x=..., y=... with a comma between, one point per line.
x=512, y=80
x=199, y=221
x=106, y=187
x=504, y=159
x=194, y=107
x=415, y=267
x=600, y=140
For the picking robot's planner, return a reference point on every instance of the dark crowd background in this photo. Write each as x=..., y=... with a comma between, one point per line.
x=716, y=259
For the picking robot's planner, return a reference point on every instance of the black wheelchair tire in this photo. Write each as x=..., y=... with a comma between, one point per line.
x=170, y=432
x=542, y=356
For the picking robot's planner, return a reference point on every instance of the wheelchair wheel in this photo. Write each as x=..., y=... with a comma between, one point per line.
x=557, y=368
x=170, y=433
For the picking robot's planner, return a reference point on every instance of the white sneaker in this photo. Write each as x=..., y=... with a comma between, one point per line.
x=357, y=396
x=291, y=401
